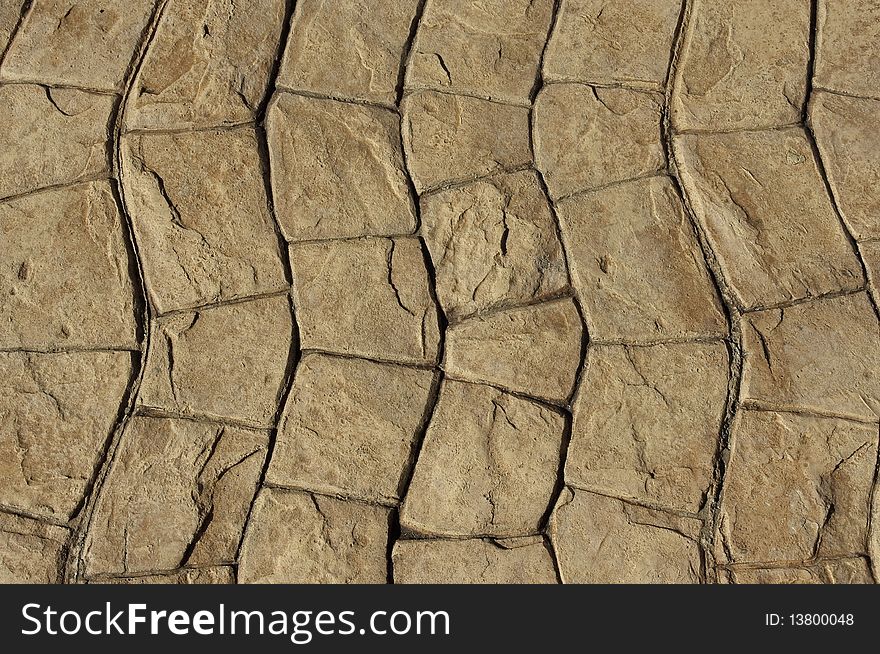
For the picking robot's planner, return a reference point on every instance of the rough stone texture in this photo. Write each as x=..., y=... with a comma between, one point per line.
x=186, y=576
x=488, y=465
x=637, y=266
x=847, y=56
x=300, y=538
x=30, y=552
x=871, y=256
x=841, y=571
x=350, y=428
x=337, y=170
x=587, y=136
x=765, y=210
x=10, y=12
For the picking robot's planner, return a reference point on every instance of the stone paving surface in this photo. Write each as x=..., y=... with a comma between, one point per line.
x=402, y=291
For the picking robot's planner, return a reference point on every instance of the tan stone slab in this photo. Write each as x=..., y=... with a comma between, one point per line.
x=870, y=251
x=178, y=492
x=820, y=356
x=488, y=465
x=767, y=215
x=534, y=350
x=64, y=277
x=89, y=43
x=299, y=538
x=471, y=562
x=208, y=64
x=840, y=571
x=227, y=361
x=387, y=314
x=602, y=540
x=628, y=41
x=453, y=138
x=490, y=49
x=337, y=169
x=848, y=46
x=493, y=243
x=797, y=487
x=31, y=552
x=10, y=12
x=199, y=208
x=587, y=136
x=213, y=575
x=353, y=49
x=636, y=264
x=743, y=65
x=350, y=427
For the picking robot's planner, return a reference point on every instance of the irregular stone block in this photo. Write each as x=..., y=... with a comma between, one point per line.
x=31, y=552
x=10, y=12
x=840, y=571
x=847, y=46
x=870, y=251
x=213, y=575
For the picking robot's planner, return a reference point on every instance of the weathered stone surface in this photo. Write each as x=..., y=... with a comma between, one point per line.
x=491, y=49
x=353, y=49
x=627, y=41
x=199, y=208
x=31, y=552
x=870, y=251
x=487, y=467
x=208, y=64
x=472, y=562
x=213, y=575
x=89, y=43
x=847, y=53
x=839, y=571
x=299, y=538
x=744, y=65
x=797, y=487
x=765, y=210
x=178, y=492
x=64, y=276
x=10, y=12
x=587, y=136
x=387, y=314
x=227, y=361
x=636, y=264
x=337, y=169
x=493, y=243
x=350, y=428
x=452, y=138
x=602, y=540
x=534, y=350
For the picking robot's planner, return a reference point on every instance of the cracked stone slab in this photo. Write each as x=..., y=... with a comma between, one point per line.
x=389, y=314
x=493, y=243
x=208, y=64
x=599, y=540
x=588, y=136
x=64, y=276
x=847, y=54
x=10, y=12
x=490, y=49
x=198, y=205
x=534, y=350
x=743, y=65
x=350, y=427
x=626, y=41
x=762, y=202
x=222, y=574
x=797, y=487
x=227, y=361
x=299, y=538
x=870, y=251
x=31, y=552
x=453, y=138
x=487, y=467
x=836, y=571
x=647, y=422
x=636, y=264
x=337, y=169
x=818, y=356
x=178, y=492
x=472, y=562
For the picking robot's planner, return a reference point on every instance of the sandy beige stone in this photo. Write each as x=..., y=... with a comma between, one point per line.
x=820, y=356
x=870, y=251
x=213, y=575
x=388, y=314
x=350, y=427
x=64, y=271
x=472, y=562
x=764, y=207
x=452, y=138
x=534, y=350
x=10, y=12
x=299, y=538
x=490, y=49
x=178, y=492
x=31, y=552
x=797, y=487
x=227, y=361
x=839, y=571
x=488, y=465
x=743, y=65
x=848, y=46
x=602, y=540
x=636, y=264
x=337, y=169
x=587, y=136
